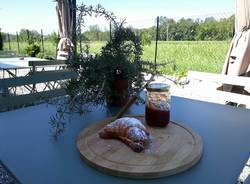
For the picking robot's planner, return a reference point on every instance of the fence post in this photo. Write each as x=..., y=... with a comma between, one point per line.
x=156, y=41
x=28, y=35
x=1, y=40
x=42, y=41
x=31, y=38
x=110, y=31
x=167, y=32
x=18, y=46
x=58, y=39
x=80, y=39
x=9, y=40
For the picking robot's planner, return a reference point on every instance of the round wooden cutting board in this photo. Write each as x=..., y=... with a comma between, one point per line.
x=172, y=150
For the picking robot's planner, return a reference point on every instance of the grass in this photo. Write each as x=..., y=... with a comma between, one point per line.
x=199, y=56
x=207, y=56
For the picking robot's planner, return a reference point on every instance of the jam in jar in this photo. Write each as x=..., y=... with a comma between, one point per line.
x=158, y=104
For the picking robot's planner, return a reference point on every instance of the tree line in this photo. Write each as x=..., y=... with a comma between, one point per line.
x=172, y=30
x=169, y=30
x=192, y=30
x=30, y=36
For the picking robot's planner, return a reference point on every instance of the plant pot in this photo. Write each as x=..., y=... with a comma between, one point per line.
x=120, y=94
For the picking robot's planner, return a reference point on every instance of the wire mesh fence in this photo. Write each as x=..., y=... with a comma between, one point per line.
x=21, y=41
x=196, y=42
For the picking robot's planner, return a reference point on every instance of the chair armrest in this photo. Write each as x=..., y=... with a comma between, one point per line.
x=219, y=78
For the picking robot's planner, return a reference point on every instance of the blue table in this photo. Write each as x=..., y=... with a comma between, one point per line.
x=27, y=150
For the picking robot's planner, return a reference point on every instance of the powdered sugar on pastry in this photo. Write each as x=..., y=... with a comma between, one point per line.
x=128, y=122
x=136, y=134
x=129, y=130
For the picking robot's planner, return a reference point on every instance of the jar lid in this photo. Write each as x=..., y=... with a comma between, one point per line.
x=158, y=87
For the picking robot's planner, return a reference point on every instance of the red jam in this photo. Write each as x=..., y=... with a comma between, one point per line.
x=157, y=117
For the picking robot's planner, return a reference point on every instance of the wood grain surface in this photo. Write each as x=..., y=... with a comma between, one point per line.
x=172, y=150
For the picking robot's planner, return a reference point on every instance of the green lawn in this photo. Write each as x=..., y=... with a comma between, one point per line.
x=205, y=56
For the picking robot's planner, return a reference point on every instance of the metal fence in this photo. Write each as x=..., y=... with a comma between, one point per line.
x=12, y=42
x=165, y=40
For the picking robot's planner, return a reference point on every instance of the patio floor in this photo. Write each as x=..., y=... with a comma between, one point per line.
x=189, y=90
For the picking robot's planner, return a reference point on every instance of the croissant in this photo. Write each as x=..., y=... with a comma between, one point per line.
x=129, y=130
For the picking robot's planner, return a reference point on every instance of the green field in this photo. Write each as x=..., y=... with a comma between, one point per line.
x=199, y=56
x=205, y=56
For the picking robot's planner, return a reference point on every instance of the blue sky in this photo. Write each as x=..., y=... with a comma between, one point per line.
x=16, y=14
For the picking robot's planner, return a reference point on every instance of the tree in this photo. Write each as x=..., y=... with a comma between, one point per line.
x=167, y=28
x=212, y=29
x=23, y=36
x=146, y=38
x=185, y=29
x=230, y=26
x=93, y=33
x=34, y=36
x=53, y=37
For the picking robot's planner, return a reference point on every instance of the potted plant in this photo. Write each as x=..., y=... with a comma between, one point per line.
x=122, y=59
x=113, y=75
x=107, y=78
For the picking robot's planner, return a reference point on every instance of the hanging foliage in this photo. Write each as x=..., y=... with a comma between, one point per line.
x=120, y=58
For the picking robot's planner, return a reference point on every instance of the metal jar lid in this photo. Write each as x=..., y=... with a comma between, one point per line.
x=158, y=87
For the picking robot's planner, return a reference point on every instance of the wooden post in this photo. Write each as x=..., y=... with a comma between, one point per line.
x=9, y=40
x=156, y=41
x=17, y=39
x=42, y=41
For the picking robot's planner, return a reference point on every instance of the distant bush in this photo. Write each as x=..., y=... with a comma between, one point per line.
x=146, y=39
x=33, y=49
x=40, y=55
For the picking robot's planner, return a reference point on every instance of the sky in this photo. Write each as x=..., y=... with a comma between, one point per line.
x=41, y=14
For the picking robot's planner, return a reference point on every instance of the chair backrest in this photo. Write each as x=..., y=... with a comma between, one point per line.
x=9, y=101
x=47, y=63
x=220, y=79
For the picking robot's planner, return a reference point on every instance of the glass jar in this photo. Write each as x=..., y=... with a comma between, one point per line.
x=157, y=104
